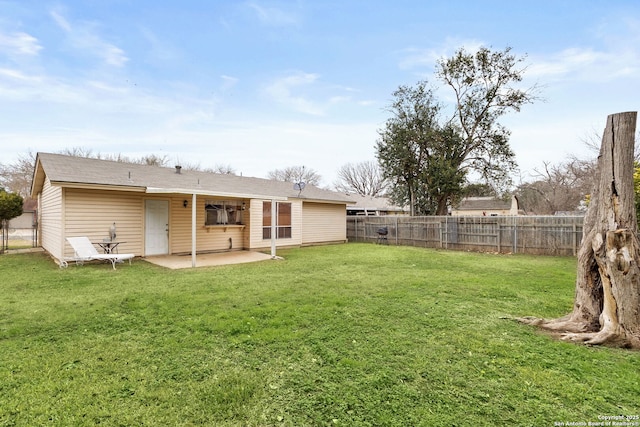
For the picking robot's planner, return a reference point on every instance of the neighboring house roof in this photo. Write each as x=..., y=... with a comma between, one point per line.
x=483, y=203
x=96, y=173
x=371, y=203
x=489, y=205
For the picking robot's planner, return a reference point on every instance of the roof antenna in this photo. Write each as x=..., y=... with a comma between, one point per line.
x=300, y=184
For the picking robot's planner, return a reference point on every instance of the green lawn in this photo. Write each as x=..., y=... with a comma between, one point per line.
x=348, y=335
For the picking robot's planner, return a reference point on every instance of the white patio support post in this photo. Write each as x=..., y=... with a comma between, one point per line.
x=193, y=230
x=273, y=229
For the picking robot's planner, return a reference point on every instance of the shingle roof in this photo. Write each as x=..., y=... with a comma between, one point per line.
x=69, y=170
x=374, y=203
x=484, y=203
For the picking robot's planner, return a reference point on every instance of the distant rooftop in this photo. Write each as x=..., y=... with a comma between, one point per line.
x=483, y=203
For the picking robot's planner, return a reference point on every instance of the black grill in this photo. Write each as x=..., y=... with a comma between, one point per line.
x=382, y=234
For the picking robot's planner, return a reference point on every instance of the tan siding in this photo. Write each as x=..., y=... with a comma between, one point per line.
x=255, y=219
x=212, y=238
x=50, y=221
x=180, y=225
x=92, y=212
x=296, y=224
x=323, y=223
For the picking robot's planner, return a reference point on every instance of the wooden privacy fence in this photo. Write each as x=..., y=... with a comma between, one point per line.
x=538, y=235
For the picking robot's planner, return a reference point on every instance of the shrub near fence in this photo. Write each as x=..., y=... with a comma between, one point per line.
x=537, y=235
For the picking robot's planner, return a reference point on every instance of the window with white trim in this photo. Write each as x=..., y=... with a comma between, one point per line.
x=283, y=220
x=221, y=212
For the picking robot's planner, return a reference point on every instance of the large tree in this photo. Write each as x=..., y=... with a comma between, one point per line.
x=486, y=87
x=607, y=297
x=636, y=186
x=416, y=153
x=365, y=179
x=558, y=187
x=428, y=158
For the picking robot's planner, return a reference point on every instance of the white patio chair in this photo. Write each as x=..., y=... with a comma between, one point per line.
x=85, y=251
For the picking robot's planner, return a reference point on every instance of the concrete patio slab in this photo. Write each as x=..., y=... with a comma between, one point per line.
x=207, y=260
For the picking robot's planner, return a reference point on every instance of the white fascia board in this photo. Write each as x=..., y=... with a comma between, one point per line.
x=89, y=186
x=327, y=201
x=156, y=190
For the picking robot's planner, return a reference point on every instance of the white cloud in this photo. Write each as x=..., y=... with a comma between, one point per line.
x=282, y=90
x=568, y=61
x=615, y=53
x=106, y=87
x=339, y=99
x=19, y=44
x=84, y=37
x=111, y=54
x=61, y=21
x=272, y=16
x=17, y=75
x=228, y=82
x=83, y=96
x=586, y=65
x=159, y=49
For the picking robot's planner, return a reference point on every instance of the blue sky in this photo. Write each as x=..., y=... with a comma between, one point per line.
x=262, y=85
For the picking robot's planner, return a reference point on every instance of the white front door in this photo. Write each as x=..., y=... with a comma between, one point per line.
x=156, y=235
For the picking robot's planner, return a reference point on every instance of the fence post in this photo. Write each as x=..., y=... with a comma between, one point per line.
x=355, y=228
x=515, y=234
x=446, y=232
x=396, y=230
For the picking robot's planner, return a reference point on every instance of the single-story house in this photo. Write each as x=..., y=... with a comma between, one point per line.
x=157, y=210
x=487, y=206
x=374, y=206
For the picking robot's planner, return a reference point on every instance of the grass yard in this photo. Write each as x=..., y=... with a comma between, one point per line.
x=346, y=335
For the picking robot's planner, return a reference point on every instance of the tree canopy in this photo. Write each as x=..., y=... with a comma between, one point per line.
x=428, y=157
x=10, y=207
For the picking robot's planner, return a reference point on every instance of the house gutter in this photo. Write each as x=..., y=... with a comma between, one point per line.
x=191, y=191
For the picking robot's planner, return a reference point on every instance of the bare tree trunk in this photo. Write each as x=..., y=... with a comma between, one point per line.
x=607, y=300
x=412, y=200
x=442, y=208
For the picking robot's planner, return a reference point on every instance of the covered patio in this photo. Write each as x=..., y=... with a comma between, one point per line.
x=175, y=262
x=158, y=211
